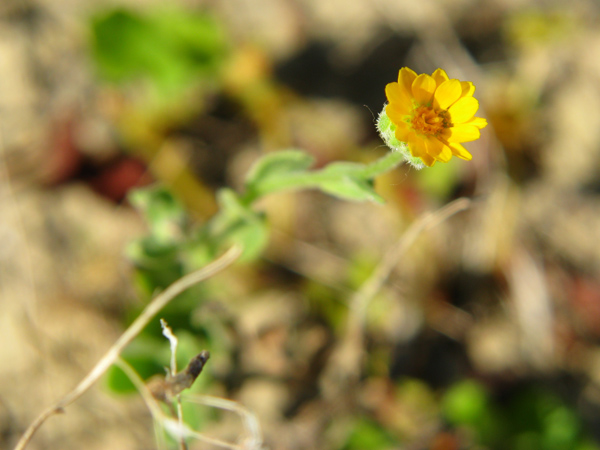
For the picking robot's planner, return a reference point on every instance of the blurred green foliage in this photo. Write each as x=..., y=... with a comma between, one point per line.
x=439, y=180
x=146, y=357
x=367, y=434
x=170, y=49
x=533, y=418
x=467, y=404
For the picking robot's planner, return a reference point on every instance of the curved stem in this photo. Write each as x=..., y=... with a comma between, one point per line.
x=345, y=363
x=134, y=329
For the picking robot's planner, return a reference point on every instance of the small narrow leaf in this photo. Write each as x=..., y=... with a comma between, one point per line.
x=276, y=165
x=349, y=188
x=345, y=168
x=238, y=223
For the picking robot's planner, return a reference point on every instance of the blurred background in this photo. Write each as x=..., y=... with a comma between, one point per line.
x=487, y=333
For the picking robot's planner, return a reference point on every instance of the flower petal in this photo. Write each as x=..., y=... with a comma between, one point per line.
x=423, y=88
x=478, y=122
x=402, y=131
x=417, y=147
x=396, y=112
x=433, y=146
x=406, y=77
x=468, y=89
x=445, y=155
x=439, y=76
x=463, y=110
x=396, y=94
x=463, y=133
x=438, y=150
x=461, y=152
x=446, y=94
x=428, y=160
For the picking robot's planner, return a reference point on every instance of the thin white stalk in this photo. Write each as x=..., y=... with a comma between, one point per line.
x=168, y=333
x=254, y=441
x=173, y=341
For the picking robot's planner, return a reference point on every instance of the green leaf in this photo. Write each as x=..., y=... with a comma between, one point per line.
x=288, y=170
x=346, y=168
x=237, y=223
x=349, y=188
x=164, y=214
x=157, y=255
x=275, y=165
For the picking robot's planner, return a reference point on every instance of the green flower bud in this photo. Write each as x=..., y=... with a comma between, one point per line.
x=387, y=132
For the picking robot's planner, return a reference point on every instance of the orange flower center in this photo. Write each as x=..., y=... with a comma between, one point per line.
x=428, y=121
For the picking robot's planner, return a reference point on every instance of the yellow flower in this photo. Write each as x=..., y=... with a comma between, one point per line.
x=433, y=115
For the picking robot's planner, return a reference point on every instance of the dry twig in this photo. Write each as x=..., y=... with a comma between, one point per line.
x=180, y=430
x=346, y=360
x=158, y=303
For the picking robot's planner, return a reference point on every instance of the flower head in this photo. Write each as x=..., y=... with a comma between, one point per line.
x=430, y=115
